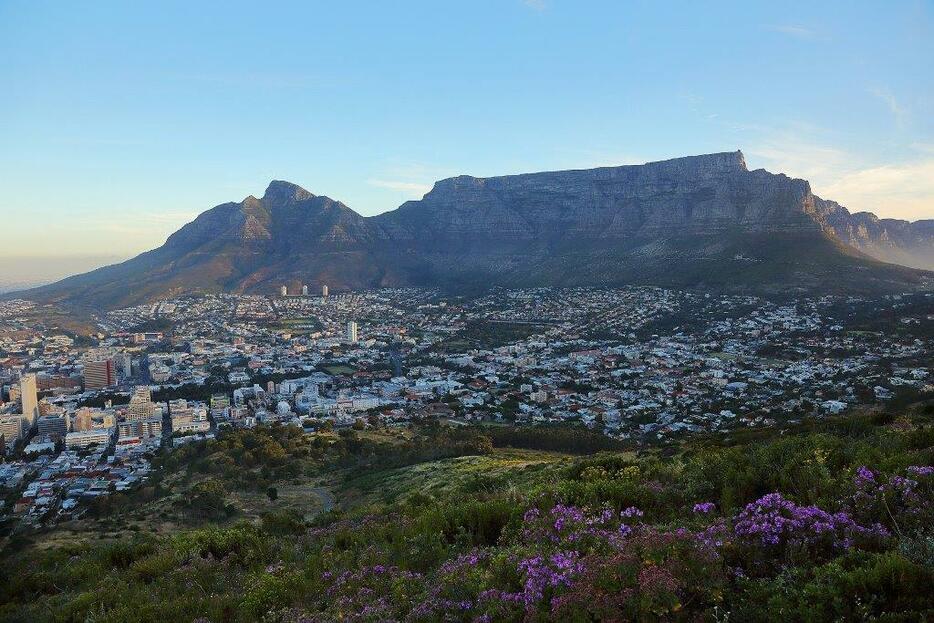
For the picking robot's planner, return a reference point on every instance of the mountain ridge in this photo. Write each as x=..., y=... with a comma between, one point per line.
x=702, y=220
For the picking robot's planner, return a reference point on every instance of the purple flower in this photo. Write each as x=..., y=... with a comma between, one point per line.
x=864, y=476
x=543, y=573
x=773, y=520
x=705, y=507
x=632, y=511
x=920, y=470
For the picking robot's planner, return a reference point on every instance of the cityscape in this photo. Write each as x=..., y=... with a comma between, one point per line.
x=641, y=364
x=510, y=311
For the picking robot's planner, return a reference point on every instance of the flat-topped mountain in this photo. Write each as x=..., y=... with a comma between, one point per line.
x=695, y=221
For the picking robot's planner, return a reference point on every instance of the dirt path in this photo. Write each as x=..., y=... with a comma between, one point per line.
x=326, y=498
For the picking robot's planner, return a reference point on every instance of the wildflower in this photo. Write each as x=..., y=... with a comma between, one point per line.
x=632, y=511
x=864, y=476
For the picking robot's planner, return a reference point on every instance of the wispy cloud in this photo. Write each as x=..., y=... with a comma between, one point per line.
x=903, y=190
x=409, y=179
x=899, y=112
x=795, y=152
x=693, y=100
x=538, y=5
x=415, y=189
x=794, y=30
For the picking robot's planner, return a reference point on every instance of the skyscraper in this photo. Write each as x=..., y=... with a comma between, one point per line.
x=324, y=291
x=99, y=374
x=284, y=291
x=29, y=397
x=304, y=290
x=352, y=332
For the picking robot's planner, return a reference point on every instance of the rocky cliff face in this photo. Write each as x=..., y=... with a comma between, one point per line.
x=694, y=195
x=695, y=221
x=891, y=240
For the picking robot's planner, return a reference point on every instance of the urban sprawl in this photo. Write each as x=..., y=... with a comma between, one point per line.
x=83, y=417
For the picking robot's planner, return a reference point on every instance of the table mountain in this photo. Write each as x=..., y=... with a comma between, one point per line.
x=696, y=221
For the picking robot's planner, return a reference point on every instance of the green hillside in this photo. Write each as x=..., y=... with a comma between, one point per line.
x=829, y=521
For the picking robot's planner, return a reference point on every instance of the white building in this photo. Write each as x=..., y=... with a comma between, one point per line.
x=84, y=439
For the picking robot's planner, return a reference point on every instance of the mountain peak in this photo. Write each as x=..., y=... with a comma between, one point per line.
x=279, y=192
x=724, y=160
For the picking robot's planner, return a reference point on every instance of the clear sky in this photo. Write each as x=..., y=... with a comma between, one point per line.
x=120, y=121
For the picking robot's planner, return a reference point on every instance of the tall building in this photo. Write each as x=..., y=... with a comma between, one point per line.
x=284, y=291
x=11, y=428
x=352, y=332
x=99, y=374
x=141, y=406
x=324, y=291
x=29, y=398
x=304, y=290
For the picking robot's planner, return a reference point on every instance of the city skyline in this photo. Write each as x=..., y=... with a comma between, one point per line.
x=116, y=134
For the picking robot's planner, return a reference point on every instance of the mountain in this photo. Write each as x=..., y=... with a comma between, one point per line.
x=891, y=240
x=695, y=221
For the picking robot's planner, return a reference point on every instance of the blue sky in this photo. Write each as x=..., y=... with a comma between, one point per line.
x=120, y=121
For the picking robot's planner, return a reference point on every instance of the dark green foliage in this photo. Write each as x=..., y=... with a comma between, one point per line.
x=571, y=439
x=431, y=550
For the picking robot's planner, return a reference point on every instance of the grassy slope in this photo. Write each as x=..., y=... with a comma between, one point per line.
x=393, y=514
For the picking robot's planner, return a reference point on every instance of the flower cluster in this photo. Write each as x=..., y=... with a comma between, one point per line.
x=544, y=573
x=705, y=507
x=773, y=520
x=371, y=592
x=899, y=500
x=572, y=525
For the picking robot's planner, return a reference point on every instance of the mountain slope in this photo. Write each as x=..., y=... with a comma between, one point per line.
x=891, y=240
x=694, y=221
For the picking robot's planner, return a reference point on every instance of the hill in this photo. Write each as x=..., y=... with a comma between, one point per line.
x=695, y=221
x=827, y=521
